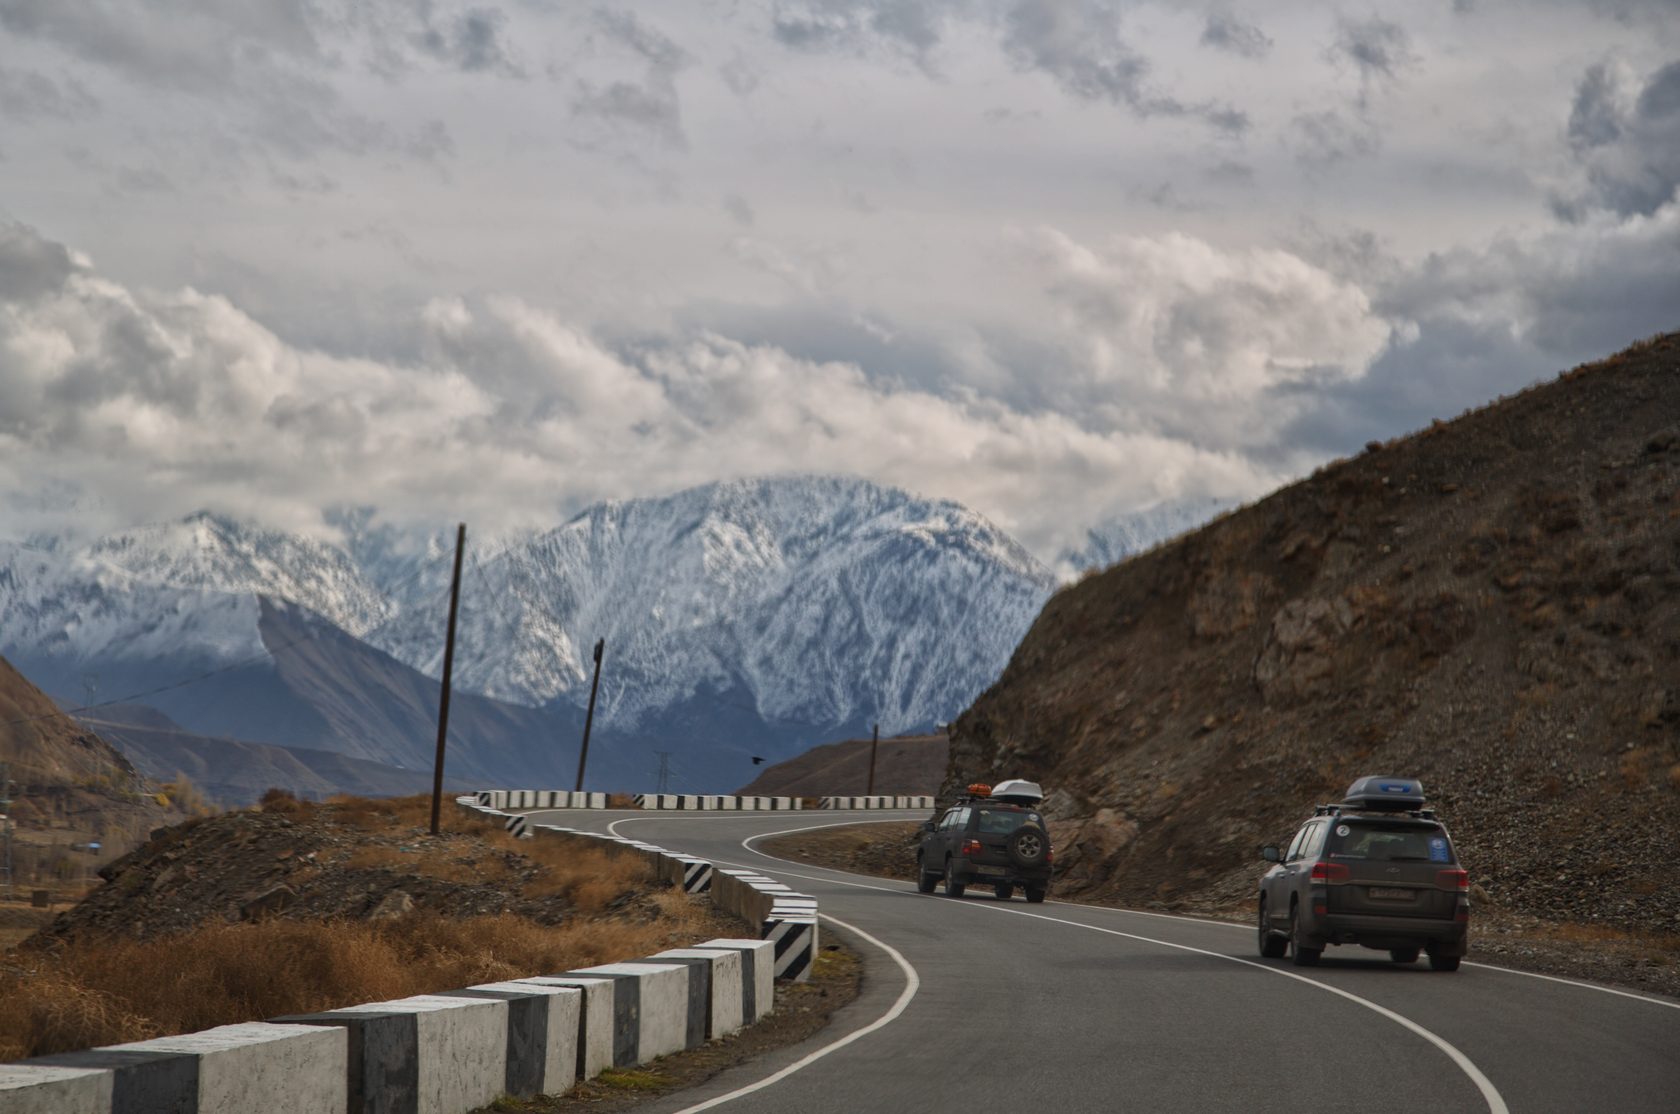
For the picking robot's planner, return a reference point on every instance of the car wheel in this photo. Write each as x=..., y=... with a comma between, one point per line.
x=1301, y=957
x=1004, y=892
x=953, y=888
x=1035, y=894
x=1272, y=946
x=1028, y=845
x=1403, y=955
x=1444, y=962
x=925, y=882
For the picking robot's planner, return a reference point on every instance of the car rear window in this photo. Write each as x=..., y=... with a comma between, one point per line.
x=1000, y=821
x=1363, y=839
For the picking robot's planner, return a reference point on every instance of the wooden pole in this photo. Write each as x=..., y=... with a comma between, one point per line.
x=589, y=717
x=448, y=670
x=874, y=744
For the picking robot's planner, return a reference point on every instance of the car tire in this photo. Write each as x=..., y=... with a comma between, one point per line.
x=953, y=888
x=1035, y=894
x=925, y=882
x=1444, y=962
x=1028, y=845
x=1272, y=946
x=1004, y=892
x=1403, y=955
x=1301, y=957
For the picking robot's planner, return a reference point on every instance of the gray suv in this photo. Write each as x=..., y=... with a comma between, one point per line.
x=1377, y=870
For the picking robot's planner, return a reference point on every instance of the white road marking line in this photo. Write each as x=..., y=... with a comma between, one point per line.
x=1490, y=1093
x=912, y=982
x=1572, y=982
x=746, y=843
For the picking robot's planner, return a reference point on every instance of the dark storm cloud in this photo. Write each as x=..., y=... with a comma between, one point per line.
x=1489, y=322
x=27, y=95
x=204, y=49
x=472, y=41
x=1225, y=31
x=1596, y=116
x=1628, y=145
x=1082, y=48
x=913, y=27
x=29, y=265
x=648, y=108
x=1378, y=49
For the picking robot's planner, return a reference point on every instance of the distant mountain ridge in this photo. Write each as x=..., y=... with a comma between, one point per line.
x=753, y=616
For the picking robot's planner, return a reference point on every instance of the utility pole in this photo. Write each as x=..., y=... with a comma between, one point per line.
x=874, y=744
x=6, y=827
x=448, y=670
x=664, y=770
x=589, y=717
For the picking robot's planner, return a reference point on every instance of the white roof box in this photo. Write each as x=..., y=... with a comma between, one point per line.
x=1017, y=791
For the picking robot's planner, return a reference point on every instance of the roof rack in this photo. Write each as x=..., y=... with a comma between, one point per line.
x=1345, y=809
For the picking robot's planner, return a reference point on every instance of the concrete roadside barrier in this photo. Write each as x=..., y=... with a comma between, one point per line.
x=459, y=1054
x=758, y=973
x=35, y=1088
x=650, y=1009
x=288, y=1069
x=725, y=1006
x=595, y=1019
x=795, y=940
x=542, y=1034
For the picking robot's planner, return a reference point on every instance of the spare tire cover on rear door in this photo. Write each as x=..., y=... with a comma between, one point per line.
x=1028, y=845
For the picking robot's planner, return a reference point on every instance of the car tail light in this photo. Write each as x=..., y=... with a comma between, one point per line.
x=1455, y=880
x=1330, y=874
x=1049, y=856
x=1321, y=910
x=971, y=847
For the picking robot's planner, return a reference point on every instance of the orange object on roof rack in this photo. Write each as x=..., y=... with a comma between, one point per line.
x=979, y=789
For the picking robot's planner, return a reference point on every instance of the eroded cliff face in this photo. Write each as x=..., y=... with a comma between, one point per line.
x=1491, y=604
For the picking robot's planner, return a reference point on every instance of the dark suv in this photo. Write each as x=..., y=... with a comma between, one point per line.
x=1377, y=870
x=998, y=841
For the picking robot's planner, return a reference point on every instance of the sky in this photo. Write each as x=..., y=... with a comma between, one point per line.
x=494, y=261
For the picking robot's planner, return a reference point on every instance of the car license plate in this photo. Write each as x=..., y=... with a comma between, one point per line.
x=990, y=870
x=1389, y=893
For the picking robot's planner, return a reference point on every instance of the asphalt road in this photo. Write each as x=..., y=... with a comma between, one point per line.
x=1058, y=1008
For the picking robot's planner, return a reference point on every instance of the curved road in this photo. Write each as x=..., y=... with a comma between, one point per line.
x=1072, y=1008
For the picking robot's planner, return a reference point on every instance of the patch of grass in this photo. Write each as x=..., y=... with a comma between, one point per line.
x=632, y=1079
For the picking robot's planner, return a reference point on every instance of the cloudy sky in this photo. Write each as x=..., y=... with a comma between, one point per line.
x=1059, y=260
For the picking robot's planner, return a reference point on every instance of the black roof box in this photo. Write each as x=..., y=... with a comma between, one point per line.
x=1385, y=794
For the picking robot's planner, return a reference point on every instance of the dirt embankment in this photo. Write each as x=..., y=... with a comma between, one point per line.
x=1491, y=604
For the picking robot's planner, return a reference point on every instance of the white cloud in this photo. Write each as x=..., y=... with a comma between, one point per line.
x=168, y=402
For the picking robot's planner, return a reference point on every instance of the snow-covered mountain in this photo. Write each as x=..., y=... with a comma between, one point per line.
x=758, y=615
x=816, y=601
x=1133, y=533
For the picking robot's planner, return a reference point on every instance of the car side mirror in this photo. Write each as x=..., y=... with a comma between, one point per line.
x=1271, y=854
x=927, y=825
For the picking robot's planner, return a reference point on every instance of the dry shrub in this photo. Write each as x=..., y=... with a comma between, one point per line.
x=590, y=877
x=182, y=795
x=385, y=812
x=281, y=801
x=107, y=992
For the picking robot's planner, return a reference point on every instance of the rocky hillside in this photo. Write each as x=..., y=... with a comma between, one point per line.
x=909, y=765
x=1491, y=604
x=71, y=787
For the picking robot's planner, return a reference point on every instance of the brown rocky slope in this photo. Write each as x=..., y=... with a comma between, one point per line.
x=1491, y=604
x=71, y=787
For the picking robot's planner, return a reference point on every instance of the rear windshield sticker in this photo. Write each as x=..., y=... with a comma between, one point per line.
x=1342, y=830
x=1438, y=851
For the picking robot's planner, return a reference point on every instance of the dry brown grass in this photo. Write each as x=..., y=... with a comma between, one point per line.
x=97, y=993
x=102, y=991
